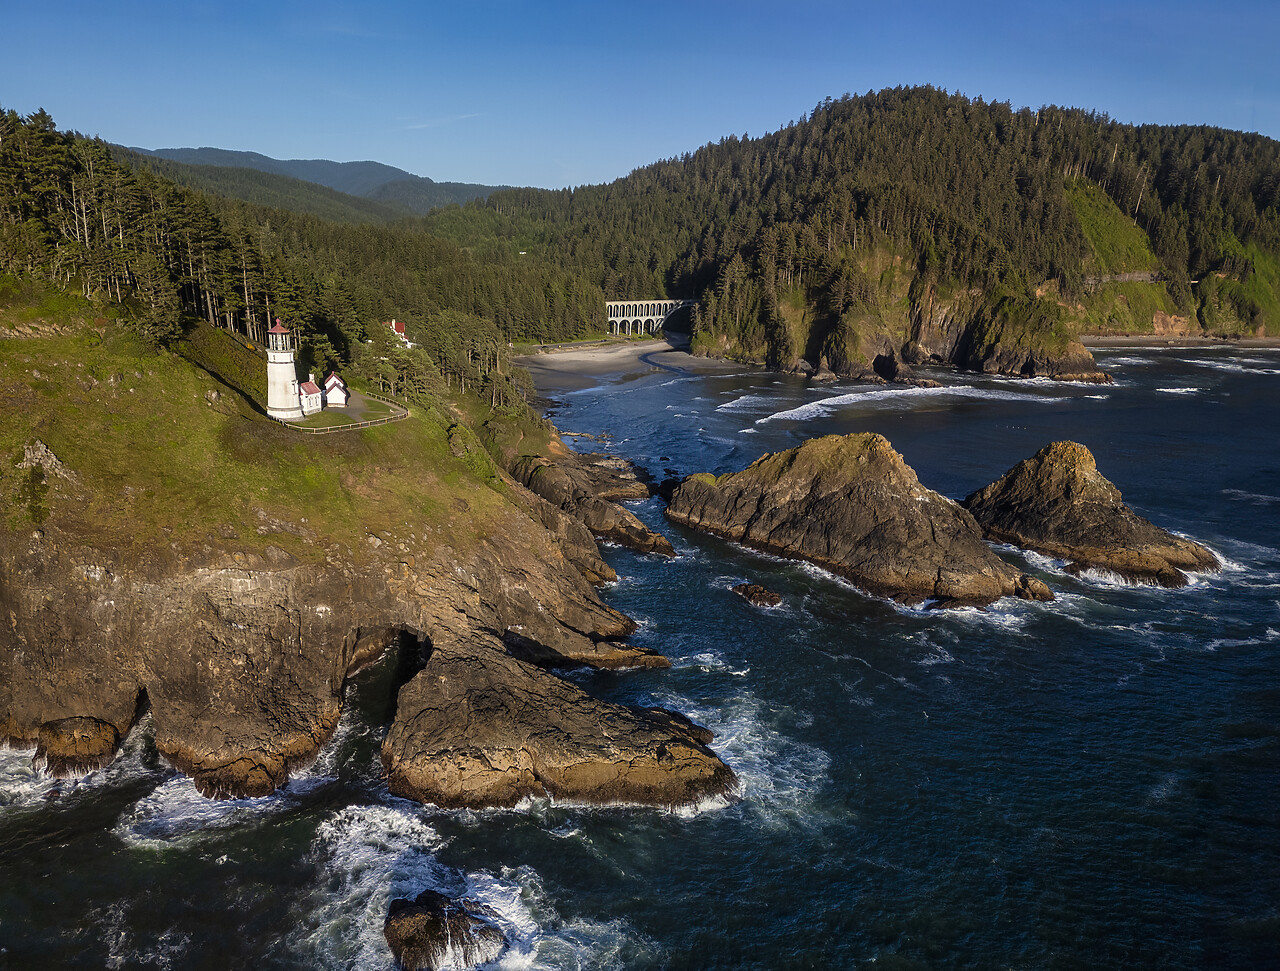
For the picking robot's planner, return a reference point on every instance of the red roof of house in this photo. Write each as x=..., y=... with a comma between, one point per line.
x=308, y=387
x=396, y=325
x=333, y=380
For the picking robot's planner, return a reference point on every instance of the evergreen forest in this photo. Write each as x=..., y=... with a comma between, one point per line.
x=909, y=223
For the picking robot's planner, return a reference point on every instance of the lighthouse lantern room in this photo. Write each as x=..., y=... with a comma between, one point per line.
x=282, y=378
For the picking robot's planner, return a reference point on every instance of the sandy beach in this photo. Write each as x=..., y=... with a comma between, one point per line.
x=574, y=367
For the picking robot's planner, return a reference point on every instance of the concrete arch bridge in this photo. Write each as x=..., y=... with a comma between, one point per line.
x=641, y=316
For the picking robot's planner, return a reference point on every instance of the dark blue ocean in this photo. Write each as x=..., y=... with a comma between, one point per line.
x=1088, y=783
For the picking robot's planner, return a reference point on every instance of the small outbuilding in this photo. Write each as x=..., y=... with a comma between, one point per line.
x=335, y=391
x=311, y=395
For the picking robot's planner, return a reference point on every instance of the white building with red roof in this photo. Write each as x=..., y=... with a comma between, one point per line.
x=312, y=398
x=335, y=391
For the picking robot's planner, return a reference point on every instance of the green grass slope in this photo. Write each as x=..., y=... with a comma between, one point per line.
x=1123, y=294
x=158, y=452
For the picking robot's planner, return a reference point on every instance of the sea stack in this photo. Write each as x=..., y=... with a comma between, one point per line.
x=851, y=505
x=1059, y=504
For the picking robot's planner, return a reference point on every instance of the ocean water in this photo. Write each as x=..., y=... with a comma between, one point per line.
x=1090, y=783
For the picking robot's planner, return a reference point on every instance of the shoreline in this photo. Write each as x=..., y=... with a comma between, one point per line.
x=564, y=368
x=1174, y=340
x=573, y=368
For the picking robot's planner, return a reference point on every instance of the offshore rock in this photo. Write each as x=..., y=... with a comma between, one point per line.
x=851, y=505
x=478, y=728
x=433, y=931
x=1059, y=504
x=756, y=594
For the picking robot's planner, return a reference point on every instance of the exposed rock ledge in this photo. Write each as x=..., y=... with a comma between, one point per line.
x=588, y=487
x=1059, y=504
x=852, y=505
x=479, y=728
x=241, y=656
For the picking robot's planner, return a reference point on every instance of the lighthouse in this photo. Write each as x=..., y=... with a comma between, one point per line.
x=282, y=380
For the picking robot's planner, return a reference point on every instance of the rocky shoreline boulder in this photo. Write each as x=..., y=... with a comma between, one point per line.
x=851, y=505
x=1059, y=504
x=433, y=932
x=477, y=728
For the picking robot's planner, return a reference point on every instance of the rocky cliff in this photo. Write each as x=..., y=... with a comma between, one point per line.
x=169, y=551
x=852, y=505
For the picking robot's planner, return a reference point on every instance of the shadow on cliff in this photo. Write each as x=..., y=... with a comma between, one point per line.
x=373, y=683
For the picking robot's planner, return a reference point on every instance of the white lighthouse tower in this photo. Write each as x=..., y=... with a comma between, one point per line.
x=282, y=379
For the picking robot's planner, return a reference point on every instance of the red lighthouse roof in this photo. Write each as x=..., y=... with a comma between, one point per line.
x=279, y=328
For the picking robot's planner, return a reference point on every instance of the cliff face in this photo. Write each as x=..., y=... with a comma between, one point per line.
x=242, y=656
x=905, y=320
x=1019, y=338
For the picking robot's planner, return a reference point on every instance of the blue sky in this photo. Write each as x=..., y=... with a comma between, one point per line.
x=556, y=94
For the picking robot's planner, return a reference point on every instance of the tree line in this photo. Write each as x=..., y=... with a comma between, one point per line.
x=75, y=216
x=972, y=195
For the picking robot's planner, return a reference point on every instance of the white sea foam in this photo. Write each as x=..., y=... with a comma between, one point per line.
x=1230, y=642
x=374, y=854
x=746, y=402
x=1107, y=361
x=175, y=811
x=168, y=949
x=1236, y=365
x=1258, y=499
x=938, y=655
x=779, y=776
x=708, y=662
x=1181, y=390
x=894, y=397
x=20, y=784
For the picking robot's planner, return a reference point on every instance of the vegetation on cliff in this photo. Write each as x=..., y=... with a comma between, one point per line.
x=907, y=214
x=904, y=225
x=165, y=547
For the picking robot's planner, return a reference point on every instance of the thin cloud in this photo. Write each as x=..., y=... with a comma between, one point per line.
x=441, y=122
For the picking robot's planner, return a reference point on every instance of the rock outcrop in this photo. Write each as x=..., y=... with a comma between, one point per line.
x=589, y=488
x=756, y=594
x=241, y=656
x=851, y=505
x=1059, y=504
x=479, y=728
x=434, y=932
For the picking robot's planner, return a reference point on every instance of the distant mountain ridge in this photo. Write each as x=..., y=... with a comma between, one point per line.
x=381, y=183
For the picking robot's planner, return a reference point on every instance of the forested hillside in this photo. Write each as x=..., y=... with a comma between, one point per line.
x=899, y=227
x=402, y=191
x=913, y=223
x=265, y=189
x=138, y=247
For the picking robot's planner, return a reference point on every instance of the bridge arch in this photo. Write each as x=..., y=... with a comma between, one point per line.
x=641, y=316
